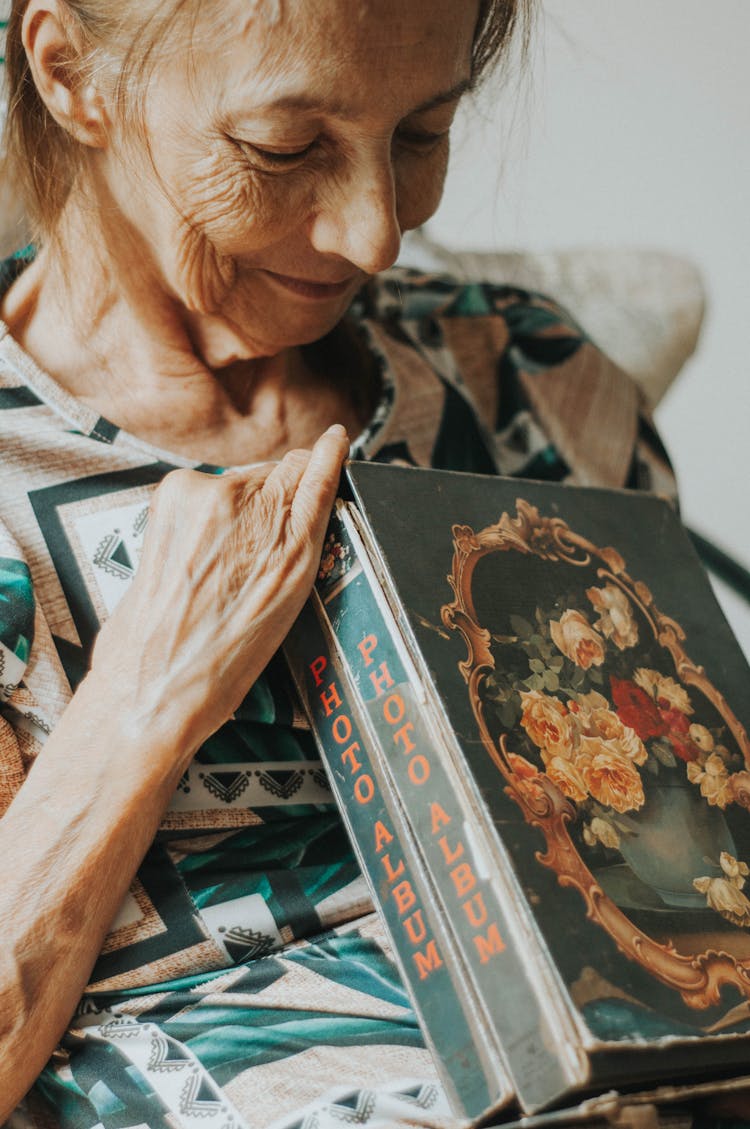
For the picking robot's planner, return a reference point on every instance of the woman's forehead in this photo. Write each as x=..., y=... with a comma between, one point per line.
x=340, y=51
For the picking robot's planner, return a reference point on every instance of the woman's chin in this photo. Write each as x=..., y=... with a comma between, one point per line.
x=224, y=339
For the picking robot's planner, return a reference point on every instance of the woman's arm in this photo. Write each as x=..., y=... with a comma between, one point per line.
x=227, y=564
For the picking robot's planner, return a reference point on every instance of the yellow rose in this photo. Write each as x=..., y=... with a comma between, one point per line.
x=611, y=779
x=567, y=778
x=576, y=638
x=739, y=783
x=547, y=723
x=701, y=737
x=722, y=896
x=663, y=689
x=592, y=701
x=615, y=615
x=621, y=739
x=600, y=831
x=712, y=779
x=735, y=871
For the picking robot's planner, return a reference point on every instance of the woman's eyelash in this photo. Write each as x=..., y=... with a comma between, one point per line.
x=421, y=137
x=274, y=157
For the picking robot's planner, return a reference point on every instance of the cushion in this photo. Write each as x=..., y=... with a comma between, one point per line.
x=644, y=308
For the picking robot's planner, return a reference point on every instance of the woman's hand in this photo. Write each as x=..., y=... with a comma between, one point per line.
x=227, y=563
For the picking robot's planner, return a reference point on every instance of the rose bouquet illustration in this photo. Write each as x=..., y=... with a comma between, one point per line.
x=608, y=737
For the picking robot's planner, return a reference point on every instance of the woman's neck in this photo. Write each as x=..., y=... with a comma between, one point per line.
x=111, y=336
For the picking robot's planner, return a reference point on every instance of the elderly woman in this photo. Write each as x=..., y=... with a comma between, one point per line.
x=217, y=188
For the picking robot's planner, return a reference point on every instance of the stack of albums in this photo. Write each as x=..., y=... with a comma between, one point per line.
x=534, y=718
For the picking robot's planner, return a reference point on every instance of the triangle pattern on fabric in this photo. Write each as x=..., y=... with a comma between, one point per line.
x=241, y=944
x=356, y=1109
x=279, y=782
x=166, y=1056
x=112, y=556
x=226, y=786
x=198, y=1098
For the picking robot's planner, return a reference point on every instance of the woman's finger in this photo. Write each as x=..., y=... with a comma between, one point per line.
x=317, y=487
x=285, y=475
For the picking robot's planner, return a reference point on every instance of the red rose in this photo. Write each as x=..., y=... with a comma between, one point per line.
x=675, y=721
x=683, y=747
x=677, y=732
x=636, y=709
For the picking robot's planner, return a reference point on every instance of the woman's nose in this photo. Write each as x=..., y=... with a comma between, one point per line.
x=358, y=220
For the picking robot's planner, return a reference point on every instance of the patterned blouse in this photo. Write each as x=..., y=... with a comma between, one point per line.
x=246, y=981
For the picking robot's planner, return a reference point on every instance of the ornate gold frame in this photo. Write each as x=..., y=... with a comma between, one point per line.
x=697, y=978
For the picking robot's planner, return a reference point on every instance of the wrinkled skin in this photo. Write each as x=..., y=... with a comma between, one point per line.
x=300, y=149
x=174, y=300
x=240, y=552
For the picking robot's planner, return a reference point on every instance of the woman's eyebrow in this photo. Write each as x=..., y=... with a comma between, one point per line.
x=305, y=102
x=451, y=95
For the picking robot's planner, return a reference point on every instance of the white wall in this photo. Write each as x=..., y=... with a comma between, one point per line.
x=632, y=128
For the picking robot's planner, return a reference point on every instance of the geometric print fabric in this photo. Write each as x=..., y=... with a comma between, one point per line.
x=246, y=980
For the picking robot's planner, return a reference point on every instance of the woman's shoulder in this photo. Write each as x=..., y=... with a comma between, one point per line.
x=405, y=293
x=532, y=372
x=490, y=329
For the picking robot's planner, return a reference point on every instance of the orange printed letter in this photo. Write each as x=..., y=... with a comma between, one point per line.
x=364, y=789
x=393, y=708
x=404, y=896
x=463, y=878
x=341, y=729
x=366, y=647
x=402, y=734
x=390, y=873
x=383, y=681
x=348, y=757
x=331, y=700
x=419, y=769
x=489, y=945
x=317, y=666
x=427, y=961
x=476, y=910
x=450, y=854
x=440, y=818
x=382, y=836
x=415, y=927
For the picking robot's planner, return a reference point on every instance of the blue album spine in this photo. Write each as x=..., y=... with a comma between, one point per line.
x=474, y=1080
x=456, y=853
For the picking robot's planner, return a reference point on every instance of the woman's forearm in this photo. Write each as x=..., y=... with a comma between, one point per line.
x=71, y=842
x=168, y=668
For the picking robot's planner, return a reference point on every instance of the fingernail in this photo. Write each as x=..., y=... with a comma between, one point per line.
x=338, y=429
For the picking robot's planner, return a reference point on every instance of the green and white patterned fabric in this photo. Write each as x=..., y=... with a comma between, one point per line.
x=4, y=15
x=246, y=981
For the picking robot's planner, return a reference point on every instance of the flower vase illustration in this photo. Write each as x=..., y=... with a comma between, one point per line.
x=660, y=851
x=612, y=742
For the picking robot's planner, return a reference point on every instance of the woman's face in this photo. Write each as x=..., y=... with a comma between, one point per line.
x=288, y=154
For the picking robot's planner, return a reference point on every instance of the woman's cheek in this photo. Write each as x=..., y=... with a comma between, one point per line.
x=222, y=218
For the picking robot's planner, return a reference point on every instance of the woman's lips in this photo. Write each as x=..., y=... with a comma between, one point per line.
x=308, y=288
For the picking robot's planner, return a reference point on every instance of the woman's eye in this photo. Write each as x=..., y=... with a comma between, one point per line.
x=275, y=158
x=421, y=140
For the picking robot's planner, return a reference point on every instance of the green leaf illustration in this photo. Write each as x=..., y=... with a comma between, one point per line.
x=521, y=626
x=551, y=681
x=664, y=754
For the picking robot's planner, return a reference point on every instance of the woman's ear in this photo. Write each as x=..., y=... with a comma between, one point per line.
x=57, y=57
